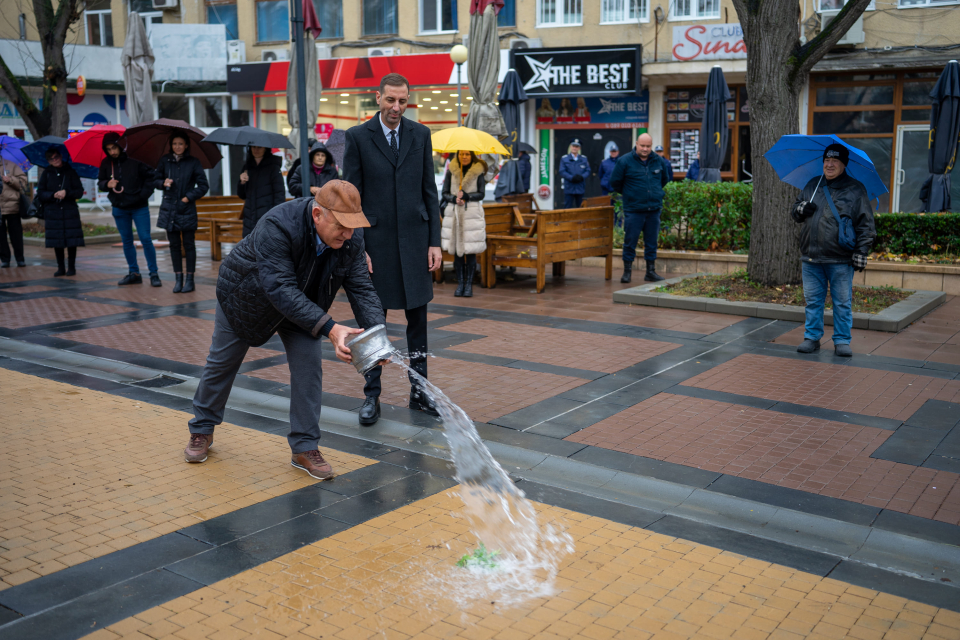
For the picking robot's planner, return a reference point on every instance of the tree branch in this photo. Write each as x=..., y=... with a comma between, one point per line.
x=32, y=116
x=810, y=54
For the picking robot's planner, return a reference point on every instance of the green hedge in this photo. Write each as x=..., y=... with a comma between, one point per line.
x=716, y=217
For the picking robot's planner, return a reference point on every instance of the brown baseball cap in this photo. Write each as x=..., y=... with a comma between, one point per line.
x=343, y=201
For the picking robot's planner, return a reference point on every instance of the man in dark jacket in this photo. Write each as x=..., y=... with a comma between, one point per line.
x=824, y=259
x=128, y=184
x=260, y=186
x=606, y=169
x=574, y=169
x=282, y=278
x=666, y=161
x=523, y=165
x=640, y=177
x=390, y=160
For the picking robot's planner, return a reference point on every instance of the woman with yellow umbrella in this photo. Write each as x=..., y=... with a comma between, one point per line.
x=463, y=233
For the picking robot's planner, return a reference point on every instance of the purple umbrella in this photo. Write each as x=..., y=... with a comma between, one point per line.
x=10, y=149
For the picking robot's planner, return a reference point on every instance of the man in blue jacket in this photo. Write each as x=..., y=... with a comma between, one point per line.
x=606, y=169
x=659, y=151
x=640, y=177
x=574, y=169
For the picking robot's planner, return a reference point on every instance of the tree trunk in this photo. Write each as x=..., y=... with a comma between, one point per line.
x=777, y=70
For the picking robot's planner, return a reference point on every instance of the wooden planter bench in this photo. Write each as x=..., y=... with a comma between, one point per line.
x=499, y=219
x=556, y=236
x=219, y=220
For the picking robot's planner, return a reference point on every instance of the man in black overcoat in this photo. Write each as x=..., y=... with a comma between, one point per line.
x=389, y=159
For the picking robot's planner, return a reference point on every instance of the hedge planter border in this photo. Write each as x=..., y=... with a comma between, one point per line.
x=894, y=318
x=109, y=238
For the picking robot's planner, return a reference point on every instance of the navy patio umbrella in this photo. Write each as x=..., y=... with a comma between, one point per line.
x=714, y=132
x=943, y=140
x=511, y=96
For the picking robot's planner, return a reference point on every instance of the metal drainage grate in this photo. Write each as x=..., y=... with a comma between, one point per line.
x=158, y=382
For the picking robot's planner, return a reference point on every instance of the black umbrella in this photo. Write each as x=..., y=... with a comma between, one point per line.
x=511, y=95
x=248, y=137
x=714, y=132
x=944, y=132
x=523, y=146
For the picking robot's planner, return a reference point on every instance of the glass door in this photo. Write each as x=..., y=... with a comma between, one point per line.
x=911, y=167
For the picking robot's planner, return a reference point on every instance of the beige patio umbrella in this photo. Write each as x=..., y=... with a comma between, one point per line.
x=483, y=68
x=137, y=61
x=314, y=86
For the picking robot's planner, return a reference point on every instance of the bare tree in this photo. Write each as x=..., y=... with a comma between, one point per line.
x=778, y=66
x=53, y=25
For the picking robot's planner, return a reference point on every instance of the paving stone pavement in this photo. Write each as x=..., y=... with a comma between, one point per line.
x=679, y=395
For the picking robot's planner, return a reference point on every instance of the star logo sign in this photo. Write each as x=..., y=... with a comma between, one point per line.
x=542, y=74
x=606, y=106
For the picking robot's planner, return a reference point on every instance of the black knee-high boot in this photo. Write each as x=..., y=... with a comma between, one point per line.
x=460, y=268
x=470, y=270
x=71, y=261
x=61, y=269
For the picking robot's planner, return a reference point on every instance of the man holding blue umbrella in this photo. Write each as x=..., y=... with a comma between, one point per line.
x=838, y=231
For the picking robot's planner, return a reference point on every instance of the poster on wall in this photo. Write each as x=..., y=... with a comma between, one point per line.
x=593, y=113
x=189, y=52
x=688, y=105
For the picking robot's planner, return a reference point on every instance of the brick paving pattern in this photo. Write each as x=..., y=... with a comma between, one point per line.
x=484, y=391
x=819, y=456
x=560, y=347
x=173, y=337
x=18, y=314
x=869, y=392
x=19, y=274
x=36, y=288
x=160, y=296
x=620, y=582
x=124, y=481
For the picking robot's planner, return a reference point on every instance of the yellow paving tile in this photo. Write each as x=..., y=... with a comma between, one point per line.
x=394, y=597
x=115, y=476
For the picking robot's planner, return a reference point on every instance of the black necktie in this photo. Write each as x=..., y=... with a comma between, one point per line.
x=393, y=145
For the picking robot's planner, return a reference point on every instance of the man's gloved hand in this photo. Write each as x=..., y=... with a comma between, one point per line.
x=806, y=209
x=576, y=179
x=859, y=262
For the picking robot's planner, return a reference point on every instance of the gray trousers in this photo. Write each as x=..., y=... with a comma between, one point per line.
x=306, y=382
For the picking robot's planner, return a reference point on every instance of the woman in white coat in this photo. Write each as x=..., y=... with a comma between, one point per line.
x=464, y=234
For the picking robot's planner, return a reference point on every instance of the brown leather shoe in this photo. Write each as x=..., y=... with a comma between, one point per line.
x=313, y=463
x=197, y=448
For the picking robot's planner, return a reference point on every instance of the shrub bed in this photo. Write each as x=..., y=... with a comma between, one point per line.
x=36, y=229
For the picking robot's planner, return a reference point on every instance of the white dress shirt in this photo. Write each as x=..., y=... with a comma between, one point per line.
x=387, y=130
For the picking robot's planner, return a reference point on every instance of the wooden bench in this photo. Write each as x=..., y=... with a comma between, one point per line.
x=219, y=220
x=526, y=205
x=499, y=219
x=595, y=201
x=558, y=235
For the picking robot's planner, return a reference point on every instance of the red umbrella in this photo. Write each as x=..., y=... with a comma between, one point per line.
x=150, y=141
x=87, y=147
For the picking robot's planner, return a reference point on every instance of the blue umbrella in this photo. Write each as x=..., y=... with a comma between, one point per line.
x=11, y=149
x=797, y=159
x=36, y=153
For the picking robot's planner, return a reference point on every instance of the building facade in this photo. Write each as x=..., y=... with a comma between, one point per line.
x=223, y=62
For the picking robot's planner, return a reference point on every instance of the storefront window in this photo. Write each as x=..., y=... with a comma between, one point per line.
x=692, y=9
x=846, y=96
x=99, y=23
x=840, y=122
x=330, y=13
x=508, y=14
x=614, y=11
x=273, y=21
x=438, y=15
x=915, y=115
x=379, y=17
x=557, y=13
x=225, y=14
x=209, y=111
x=174, y=107
x=917, y=93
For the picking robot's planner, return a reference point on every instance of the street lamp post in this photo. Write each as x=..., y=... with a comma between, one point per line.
x=459, y=55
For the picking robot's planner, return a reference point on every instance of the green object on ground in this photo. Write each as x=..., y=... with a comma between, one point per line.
x=36, y=230
x=481, y=557
x=737, y=287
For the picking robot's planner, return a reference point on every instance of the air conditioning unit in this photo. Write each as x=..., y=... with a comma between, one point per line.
x=273, y=55
x=526, y=43
x=164, y=4
x=854, y=34
x=382, y=51
x=236, y=52
x=324, y=51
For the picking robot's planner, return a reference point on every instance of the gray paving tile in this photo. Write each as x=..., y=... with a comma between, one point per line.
x=936, y=414
x=909, y=445
x=527, y=440
x=641, y=466
x=932, y=593
x=942, y=463
x=918, y=527
x=538, y=412
x=563, y=498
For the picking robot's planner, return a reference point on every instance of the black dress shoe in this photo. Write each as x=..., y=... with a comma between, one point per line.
x=155, y=280
x=131, y=278
x=420, y=402
x=370, y=411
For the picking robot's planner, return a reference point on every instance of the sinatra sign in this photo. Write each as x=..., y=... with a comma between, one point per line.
x=708, y=42
x=598, y=71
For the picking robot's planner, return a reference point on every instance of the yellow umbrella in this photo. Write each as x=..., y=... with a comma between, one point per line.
x=466, y=139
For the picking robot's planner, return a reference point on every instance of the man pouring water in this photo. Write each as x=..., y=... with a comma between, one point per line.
x=282, y=278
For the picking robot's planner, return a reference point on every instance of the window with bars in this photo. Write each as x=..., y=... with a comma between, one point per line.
x=558, y=13
x=224, y=13
x=438, y=15
x=693, y=9
x=273, y=21
x=330, y=13
x=379, y=17
x=614, y=11
x=99, y=23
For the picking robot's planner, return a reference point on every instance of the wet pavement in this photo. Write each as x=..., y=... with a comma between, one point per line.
x=715, y=482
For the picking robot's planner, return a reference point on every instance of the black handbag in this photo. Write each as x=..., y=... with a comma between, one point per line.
x=26, y=207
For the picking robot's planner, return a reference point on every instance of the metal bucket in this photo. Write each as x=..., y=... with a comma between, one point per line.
x=370, y=347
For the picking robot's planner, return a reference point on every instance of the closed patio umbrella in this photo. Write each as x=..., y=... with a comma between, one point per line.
x=314, y=87
x=137, y=62
x=714, y=132
x=483, y=68
x=511, y=96
x=943, y=140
